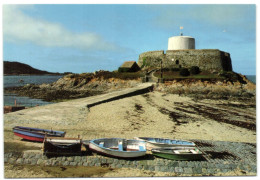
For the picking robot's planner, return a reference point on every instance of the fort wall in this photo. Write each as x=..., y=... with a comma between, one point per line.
x=205, y=59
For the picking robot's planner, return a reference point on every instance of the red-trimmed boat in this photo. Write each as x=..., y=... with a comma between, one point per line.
x=35, y=134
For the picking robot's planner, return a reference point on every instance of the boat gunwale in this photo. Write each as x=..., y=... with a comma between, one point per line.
x=117, y=150
x=38, y=130
x=172, y=152
x=38, y=133
x=159, y=143
x=118, y=156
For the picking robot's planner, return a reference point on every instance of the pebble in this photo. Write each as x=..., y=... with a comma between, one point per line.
x=188, y=170
x=39, y=162
x=178, y=169
x=85, y=164
x=73, y=163
x=20, y=161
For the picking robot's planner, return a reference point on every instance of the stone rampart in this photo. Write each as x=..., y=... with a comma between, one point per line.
x=205, y=59
x=150, y=58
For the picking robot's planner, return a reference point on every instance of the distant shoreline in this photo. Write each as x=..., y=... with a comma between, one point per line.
x=34, y=74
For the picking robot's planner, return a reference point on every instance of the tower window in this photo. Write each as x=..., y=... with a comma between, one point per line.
x=177, y=61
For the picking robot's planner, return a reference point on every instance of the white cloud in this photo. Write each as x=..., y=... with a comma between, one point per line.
x=19, y=27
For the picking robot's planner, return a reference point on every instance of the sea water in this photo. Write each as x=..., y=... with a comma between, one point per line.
x=16, y=81
x=251, y=78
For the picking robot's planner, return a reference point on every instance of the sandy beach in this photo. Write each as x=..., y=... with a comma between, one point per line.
x=153, y=114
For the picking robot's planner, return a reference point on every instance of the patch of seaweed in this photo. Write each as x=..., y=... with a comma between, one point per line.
x=184, y=110
x=221, y=155
x=173, y=116
x=178, y=103
x=217, y=115
x=139, y=108
x=251, y=144
x=202, y=144
x=243, y=106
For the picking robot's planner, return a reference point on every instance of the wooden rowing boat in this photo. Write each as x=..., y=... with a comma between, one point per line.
x=35, y=134
x=117, y=147
x=152, y=143
x=60, y=146
x=178, y=153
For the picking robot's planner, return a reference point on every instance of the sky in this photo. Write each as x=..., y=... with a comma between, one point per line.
x=82, y=38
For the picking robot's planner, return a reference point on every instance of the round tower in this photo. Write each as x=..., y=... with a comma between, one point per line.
x=181, y=42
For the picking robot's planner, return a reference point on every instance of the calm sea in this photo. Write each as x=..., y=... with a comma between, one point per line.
x=252, y=78
x=15, y=81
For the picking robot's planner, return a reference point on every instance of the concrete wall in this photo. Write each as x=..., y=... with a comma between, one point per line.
x=181, y=42
x=205, y=59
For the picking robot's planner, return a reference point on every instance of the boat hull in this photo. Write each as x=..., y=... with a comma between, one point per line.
x=129, y=153
x=57, y=146
x=150, y=146
x=35, y=134
x=179, y=157
x=154, y=143
x=30, y=138
x=170, y=153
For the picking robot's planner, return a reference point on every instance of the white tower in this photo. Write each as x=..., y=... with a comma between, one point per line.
x=181, y=42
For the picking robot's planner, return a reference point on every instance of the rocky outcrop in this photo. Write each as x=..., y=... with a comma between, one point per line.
x=234, y=86
x=217, y=89
x=72, y=87
x=96, y=84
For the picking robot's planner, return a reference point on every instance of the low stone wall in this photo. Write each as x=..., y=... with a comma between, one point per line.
x=245, y=161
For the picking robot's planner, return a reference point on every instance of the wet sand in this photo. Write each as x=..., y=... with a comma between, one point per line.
x=29, y=171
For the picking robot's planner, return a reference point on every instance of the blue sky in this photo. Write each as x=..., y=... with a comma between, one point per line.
x=83, y=38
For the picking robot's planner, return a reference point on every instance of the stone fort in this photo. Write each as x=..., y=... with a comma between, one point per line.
x=181, y=53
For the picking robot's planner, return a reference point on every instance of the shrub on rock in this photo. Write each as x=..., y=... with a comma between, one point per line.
x=194, y=70
x=184, y=72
